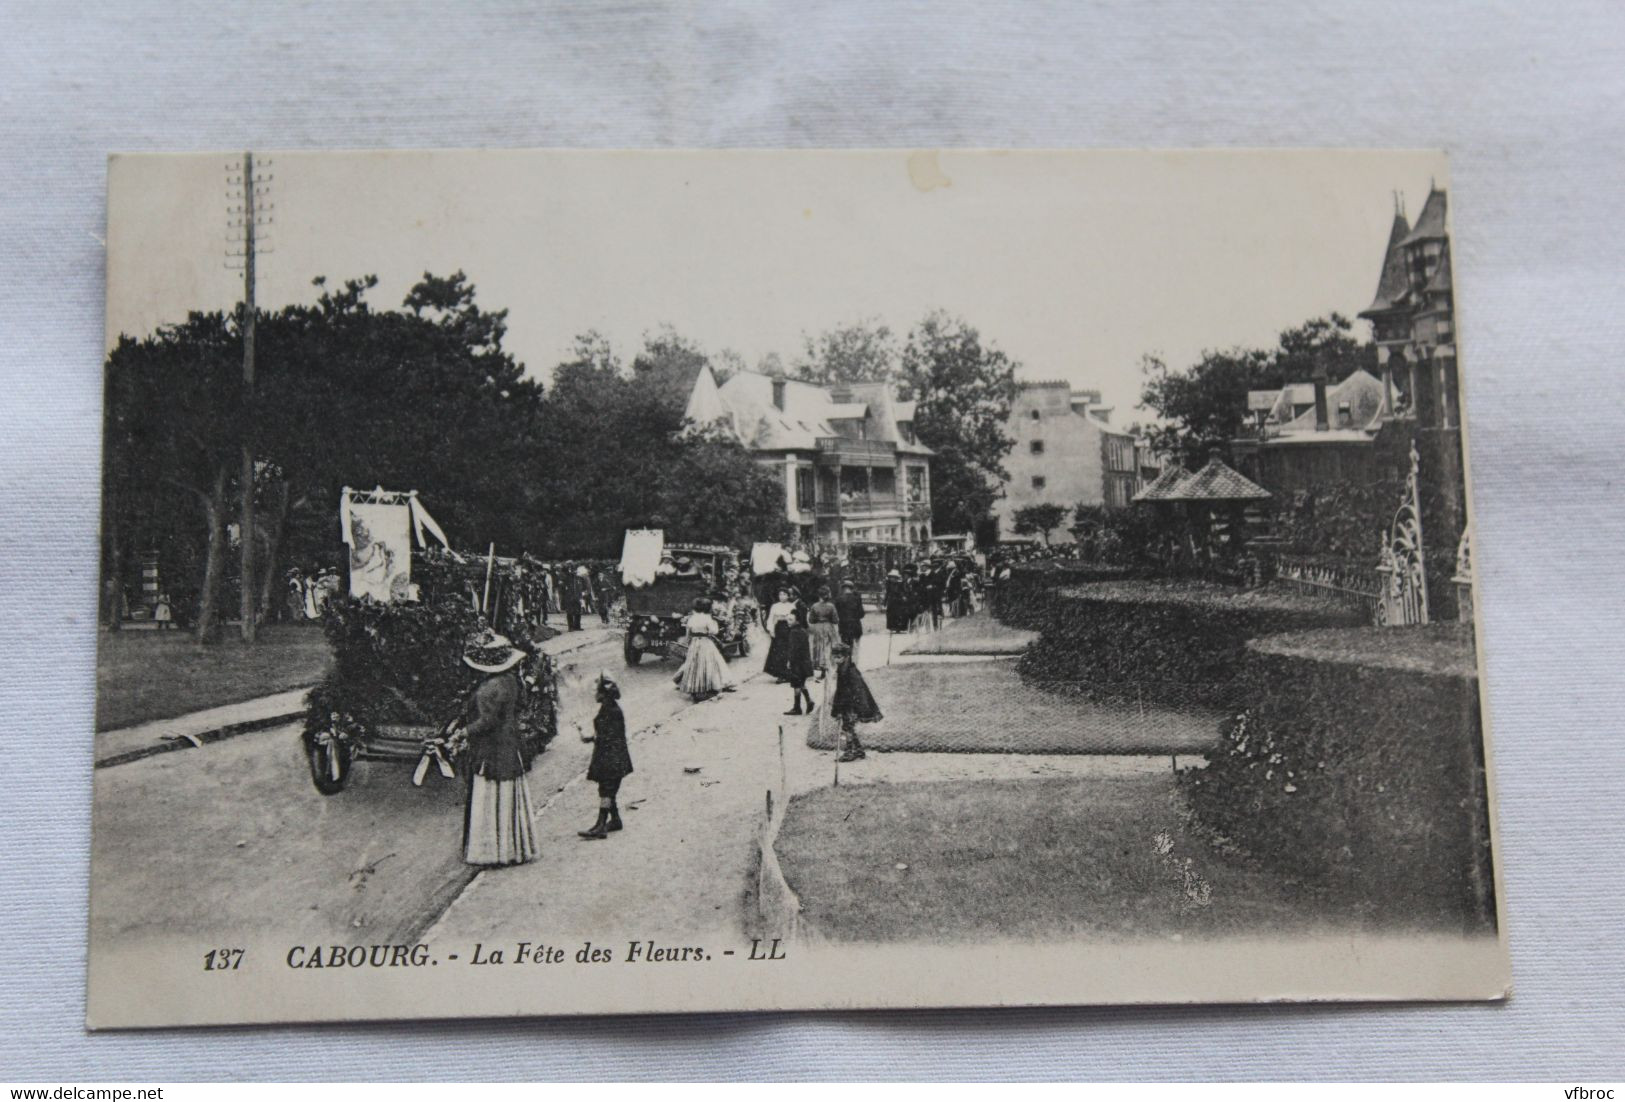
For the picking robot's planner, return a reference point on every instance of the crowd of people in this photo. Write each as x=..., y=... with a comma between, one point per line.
x=815, y=625
x=576, y=588
x=917, y=598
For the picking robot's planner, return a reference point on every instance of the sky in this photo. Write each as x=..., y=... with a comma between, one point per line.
x=1075, y=264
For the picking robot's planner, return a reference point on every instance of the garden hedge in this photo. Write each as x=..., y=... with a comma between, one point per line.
x=1357, y=760
x=1179, y=643
x=1024, y=599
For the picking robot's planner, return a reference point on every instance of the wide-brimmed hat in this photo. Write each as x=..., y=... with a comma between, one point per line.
x=489, y=652
x=893, y=574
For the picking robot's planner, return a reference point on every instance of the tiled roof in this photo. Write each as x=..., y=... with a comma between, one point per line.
x=1430, y=224
x=1361, y=390
x=1164, y=485
x=1217, y=482
x=807, y=413
x=1391, y=283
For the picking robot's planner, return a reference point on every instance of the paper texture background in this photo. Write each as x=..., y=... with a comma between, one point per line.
x=1525, y=102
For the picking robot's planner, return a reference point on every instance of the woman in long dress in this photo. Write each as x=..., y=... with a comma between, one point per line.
x=705, y=672
x=497, y=825
x=825, y=633
x=779, y=618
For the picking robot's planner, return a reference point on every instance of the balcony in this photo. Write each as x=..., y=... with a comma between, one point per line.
x=860, y=505
x=842, y=450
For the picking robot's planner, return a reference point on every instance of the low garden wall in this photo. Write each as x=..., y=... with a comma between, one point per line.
x=1357, y=759
x=1177, y=643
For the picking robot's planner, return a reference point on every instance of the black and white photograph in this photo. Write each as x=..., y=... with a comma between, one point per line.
x=556, y=583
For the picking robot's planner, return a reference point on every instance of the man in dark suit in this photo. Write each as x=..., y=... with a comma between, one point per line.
x=570, y=596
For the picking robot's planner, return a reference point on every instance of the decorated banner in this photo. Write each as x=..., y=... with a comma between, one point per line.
x=640, y=556
x=378, y=526
x=764, y=557
x=380, y=540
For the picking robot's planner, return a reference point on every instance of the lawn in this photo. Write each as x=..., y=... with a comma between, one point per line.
x=1090, y=857
x=146, y=675
x=985, y=707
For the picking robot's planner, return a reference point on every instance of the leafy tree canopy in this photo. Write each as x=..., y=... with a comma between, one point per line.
x=1038, y=520
x=861, y=352
x=963, y=390
x=1204, y=407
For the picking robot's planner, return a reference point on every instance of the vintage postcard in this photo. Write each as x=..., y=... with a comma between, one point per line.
x=606, y=582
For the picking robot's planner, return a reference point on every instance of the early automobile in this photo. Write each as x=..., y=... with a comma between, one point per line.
x=398, y=684
x=662, y=581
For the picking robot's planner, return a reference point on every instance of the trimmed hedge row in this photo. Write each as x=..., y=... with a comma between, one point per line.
x=1025, y=599
x=1179, y=643
x=1358, y=760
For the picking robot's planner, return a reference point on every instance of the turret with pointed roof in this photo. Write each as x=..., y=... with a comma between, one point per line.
x=1430, y=224
x=1391, y=282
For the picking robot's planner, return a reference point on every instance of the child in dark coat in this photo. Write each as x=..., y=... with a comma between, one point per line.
x=853, y=704
x=611, y=759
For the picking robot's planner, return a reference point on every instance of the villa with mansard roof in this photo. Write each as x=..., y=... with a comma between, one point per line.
x=851, y=465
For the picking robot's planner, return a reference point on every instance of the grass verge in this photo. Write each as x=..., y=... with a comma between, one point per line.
x=147, y=675
x=985, y=707
x=1094, y=857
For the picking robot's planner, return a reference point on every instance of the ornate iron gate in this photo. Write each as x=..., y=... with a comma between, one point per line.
x=1401, y=564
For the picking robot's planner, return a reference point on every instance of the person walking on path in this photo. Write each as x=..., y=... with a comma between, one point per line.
x=849, y=615
x=570, y=597
x=611, y=759
x=825, y=633
x=497, y=826
x=779, y=618
x=899, y=602
x=853, y=704
x=798, y=666
x=704, y=673
x=605, y=586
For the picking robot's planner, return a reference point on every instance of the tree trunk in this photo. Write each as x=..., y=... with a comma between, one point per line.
x=214, y=506
x=274, y=534
x=113, y=578
x=245, y=522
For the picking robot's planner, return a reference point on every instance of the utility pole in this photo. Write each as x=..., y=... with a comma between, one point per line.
x=251, y=216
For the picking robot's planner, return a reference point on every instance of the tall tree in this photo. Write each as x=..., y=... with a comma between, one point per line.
x=1204, y=407
x=173, y=427
x=618, y=455
x=860, y=352
x=422, y=398
x=667, y=366
x=712, y=491
x=1038, y=520
x=963, y=390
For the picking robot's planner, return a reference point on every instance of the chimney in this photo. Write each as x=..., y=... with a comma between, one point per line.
x=778, y=394
x=1322, y=419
